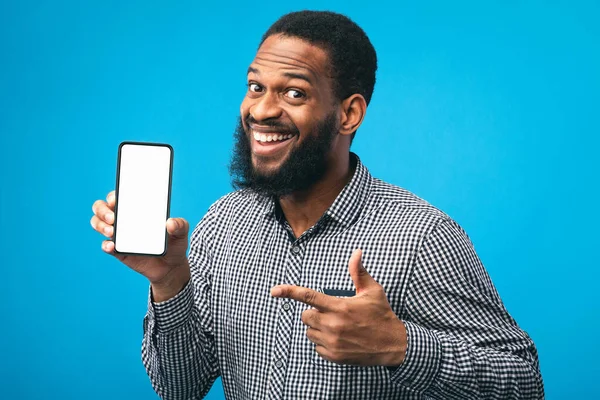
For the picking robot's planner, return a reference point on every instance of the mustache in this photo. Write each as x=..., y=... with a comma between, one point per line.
x=272, y=123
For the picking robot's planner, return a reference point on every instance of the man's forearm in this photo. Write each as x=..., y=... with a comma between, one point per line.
x=488, y=373
x=460, y=370
x=178, y=349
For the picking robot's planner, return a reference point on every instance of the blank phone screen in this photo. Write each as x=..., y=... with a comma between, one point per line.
x=142, y=201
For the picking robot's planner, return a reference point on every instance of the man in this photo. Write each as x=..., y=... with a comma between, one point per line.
x=316, y=280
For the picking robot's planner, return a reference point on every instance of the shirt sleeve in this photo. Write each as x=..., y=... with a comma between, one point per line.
x=178, y=349
x=462, y=343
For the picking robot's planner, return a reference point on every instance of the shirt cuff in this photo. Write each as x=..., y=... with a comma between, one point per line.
x=422, y=361
x=172, y=313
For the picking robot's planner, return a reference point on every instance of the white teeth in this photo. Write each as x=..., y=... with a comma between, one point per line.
x=261, y=137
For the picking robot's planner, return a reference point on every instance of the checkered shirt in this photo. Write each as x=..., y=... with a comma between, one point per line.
x=462, y=343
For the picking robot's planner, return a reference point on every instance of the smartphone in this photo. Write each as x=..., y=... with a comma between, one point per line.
x=143, y=197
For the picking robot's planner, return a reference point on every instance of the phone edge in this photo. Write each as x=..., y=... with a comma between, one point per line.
x=171, y=156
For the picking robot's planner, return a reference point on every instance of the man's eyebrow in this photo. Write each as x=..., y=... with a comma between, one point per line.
x=296, y=75
x=292, y=75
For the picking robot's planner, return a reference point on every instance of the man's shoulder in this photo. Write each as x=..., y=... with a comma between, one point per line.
x=243, y=203
x=238, y=200
x=390, y=196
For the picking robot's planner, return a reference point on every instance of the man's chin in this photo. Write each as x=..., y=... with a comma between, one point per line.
x=265, y=166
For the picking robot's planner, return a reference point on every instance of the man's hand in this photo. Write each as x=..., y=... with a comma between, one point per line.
x=358, y=330
x=167, y=274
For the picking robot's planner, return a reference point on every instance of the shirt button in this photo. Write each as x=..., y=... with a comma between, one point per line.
x=279, y=364
x=286, y=306
x=295, y=249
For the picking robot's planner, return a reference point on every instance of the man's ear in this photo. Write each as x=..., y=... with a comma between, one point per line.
x=353, y=112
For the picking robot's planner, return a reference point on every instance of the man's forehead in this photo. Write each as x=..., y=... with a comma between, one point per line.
x=290, y=53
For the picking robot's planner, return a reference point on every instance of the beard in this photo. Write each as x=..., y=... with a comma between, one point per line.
x=304, y=165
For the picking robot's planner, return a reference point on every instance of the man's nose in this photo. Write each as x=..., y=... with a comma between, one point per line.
x=266, y=107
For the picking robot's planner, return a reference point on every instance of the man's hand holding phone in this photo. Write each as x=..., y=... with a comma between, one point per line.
x=135, y=218
x=169, y=273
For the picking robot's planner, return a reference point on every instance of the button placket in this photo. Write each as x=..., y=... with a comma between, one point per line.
x=285, y=325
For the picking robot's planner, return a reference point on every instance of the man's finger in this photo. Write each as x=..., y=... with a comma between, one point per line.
x=324, y=352
x=315, y=336
x=361, y=278
x=311, y=297
x=105, y=213
x=311, y=318
x=108, y=246
x=102, y=227
x=110, y=199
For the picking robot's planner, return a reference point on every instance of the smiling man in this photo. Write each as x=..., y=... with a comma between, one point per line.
x=314, y=279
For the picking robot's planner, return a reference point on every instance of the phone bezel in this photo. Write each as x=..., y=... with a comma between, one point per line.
x=114, y=237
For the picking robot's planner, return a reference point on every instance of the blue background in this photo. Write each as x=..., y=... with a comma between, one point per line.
x=490, y=112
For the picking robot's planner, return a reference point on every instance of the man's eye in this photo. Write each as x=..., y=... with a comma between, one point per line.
x=253, y=87
x=294, y=94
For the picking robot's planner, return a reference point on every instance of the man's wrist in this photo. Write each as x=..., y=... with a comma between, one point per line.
x=171, y=284
x=395, y=357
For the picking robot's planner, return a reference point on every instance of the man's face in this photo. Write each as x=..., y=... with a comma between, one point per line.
x=288, y=117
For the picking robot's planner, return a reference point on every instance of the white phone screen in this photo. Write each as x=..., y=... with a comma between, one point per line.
x=142, y=200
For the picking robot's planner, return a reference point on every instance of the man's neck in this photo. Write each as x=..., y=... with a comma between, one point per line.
x=303, y=209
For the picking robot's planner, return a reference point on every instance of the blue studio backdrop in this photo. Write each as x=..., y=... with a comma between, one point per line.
x=488, y=110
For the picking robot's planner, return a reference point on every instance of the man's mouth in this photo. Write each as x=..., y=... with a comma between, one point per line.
x=269, y=143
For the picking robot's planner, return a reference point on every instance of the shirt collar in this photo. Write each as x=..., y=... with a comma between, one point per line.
x=349, y=203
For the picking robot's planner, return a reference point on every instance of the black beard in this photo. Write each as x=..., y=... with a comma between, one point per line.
x=305, y=164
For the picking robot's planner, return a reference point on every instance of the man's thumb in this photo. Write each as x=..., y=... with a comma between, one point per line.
x=177, y=228
x=361, y=278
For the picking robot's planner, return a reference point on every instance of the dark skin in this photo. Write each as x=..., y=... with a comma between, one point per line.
x=289, y=82
x=276, y=91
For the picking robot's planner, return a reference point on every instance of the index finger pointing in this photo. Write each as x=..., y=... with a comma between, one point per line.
x=311, y=297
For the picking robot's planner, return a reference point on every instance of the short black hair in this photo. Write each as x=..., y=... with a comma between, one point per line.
x=352, y=56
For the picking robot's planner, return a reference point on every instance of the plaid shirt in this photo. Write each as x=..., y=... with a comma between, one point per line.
x=462, y=343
